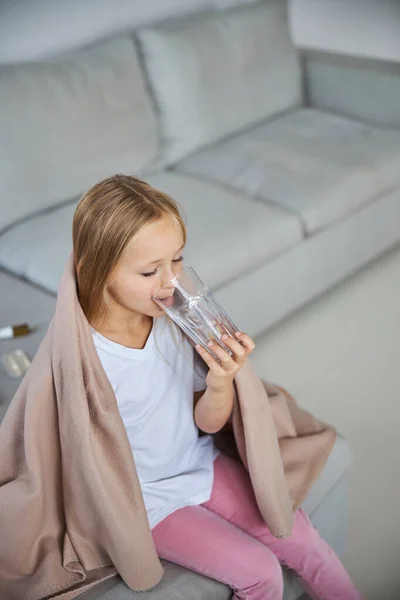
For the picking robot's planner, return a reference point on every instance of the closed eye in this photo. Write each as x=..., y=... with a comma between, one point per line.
x=176, y=260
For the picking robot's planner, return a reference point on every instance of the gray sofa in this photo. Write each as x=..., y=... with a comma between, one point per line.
x=287, y=189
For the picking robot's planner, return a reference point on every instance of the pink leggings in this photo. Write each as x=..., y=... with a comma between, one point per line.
x=226, y=539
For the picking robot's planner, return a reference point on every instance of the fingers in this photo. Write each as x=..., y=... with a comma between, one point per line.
x=227, y=361
x=246, y=341
x=210, y=360
x=235, y=346
x=241, y=348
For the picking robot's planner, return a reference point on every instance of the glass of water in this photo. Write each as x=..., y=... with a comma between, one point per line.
x=191, y=305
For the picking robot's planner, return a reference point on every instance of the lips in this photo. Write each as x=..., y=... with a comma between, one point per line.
x=168, y=301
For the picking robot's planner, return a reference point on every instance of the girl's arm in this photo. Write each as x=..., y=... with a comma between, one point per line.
x=212, y=408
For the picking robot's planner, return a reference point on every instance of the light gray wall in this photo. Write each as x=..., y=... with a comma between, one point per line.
x=364, y=28
x=34, y=29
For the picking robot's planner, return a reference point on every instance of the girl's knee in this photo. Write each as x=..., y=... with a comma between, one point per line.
x=264, y=574
x=273, y=579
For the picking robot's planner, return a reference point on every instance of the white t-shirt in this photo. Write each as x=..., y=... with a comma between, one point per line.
x=155, y=400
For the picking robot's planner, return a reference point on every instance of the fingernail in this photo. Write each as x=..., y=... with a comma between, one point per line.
x=224, y=337
x=210, y=344
x=238, y=334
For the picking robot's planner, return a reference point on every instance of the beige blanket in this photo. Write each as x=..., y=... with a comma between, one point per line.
x=71, y=507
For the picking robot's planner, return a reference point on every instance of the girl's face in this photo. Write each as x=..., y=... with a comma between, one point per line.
x=150, y=261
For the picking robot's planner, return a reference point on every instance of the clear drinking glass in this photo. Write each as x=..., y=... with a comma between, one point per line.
x=191, y=305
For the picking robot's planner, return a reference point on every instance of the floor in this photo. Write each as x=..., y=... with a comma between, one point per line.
x=340, y=356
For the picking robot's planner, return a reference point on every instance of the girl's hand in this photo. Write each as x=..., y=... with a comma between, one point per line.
x=221, y=375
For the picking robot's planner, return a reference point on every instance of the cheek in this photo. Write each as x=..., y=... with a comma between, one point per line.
x=127, y=291
x=139, y=290
x=134, y=291
x=143, y=289
x=147, y=288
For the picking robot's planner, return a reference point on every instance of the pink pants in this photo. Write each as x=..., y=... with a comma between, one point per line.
x=226, y=539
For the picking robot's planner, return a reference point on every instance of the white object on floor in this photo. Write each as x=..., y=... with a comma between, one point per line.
x=16, y=363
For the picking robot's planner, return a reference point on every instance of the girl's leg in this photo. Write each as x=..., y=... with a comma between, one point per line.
x=323, y=575
x=201, y=541
x=305, y=552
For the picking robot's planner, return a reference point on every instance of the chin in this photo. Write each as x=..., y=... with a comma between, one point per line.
x=156, y=312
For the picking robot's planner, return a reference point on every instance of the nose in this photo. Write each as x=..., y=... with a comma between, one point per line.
x=168, y=275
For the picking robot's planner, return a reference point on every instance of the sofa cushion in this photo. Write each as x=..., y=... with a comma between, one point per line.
x=38, y=248
x=218, y=73
x=177, y=583
x=227, y=234
x=67, y=122
x=180, y=583
x=317, y=165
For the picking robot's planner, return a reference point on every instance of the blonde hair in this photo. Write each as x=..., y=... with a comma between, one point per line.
x=107, y=218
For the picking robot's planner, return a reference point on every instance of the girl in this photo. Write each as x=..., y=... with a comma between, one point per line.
x=128, y=241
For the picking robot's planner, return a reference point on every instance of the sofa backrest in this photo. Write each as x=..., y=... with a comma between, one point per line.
x=72, y=119
x=216, y=74
x=66, y=123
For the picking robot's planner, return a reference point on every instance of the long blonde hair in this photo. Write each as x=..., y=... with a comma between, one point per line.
x=107, y=218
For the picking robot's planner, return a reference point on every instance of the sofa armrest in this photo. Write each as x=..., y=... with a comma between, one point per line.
x=363, y=89
x=351, y=56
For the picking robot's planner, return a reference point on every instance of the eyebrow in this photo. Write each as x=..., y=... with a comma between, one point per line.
x=154, y=262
